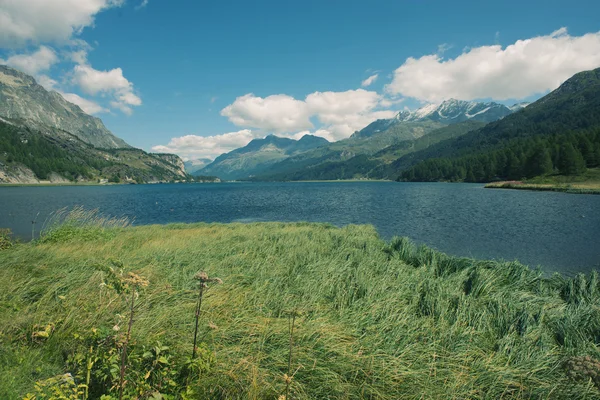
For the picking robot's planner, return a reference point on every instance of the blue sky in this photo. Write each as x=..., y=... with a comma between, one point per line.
x=165, y=75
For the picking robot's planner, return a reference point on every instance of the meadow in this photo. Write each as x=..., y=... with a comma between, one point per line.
x=370, y=319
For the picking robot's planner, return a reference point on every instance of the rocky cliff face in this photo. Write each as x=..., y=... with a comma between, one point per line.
x=174, y=160
x=22, y=98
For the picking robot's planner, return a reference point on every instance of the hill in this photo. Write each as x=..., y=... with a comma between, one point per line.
x=372, y=319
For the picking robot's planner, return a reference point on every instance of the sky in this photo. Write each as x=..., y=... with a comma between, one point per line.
x=200, y=78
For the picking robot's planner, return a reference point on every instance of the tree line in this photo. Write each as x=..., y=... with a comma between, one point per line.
x=568, y=154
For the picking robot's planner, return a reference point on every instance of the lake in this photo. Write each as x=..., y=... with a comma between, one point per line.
x=558, y=231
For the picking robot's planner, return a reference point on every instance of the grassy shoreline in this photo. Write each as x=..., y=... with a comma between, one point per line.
x=586, y=183
x=565, y=188
x=379, y=320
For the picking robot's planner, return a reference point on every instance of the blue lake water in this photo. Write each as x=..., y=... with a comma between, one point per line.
x=560, y=232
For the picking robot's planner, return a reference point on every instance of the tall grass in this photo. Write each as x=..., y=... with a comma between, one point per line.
x=78, y=222
x=381, y=320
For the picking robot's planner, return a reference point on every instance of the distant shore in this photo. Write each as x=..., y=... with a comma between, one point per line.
x=574, y=188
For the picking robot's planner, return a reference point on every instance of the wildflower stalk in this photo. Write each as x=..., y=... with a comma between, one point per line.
x=204, y=280
x=132, y=282
x=198, y=306
x=288, y=377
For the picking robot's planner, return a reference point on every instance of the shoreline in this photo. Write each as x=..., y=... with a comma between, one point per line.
x=563, y=188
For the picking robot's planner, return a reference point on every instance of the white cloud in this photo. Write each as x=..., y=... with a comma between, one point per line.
x=113, y=83
x=47, y=82
x=93, y=81
x=277, y=113
x=88, y=106
x=35, y=21
x=341, y=113
x=143, y=4
x=370, y=80
x=79, y=56
x=525, y=68
x=193, y=146
x=33, y=63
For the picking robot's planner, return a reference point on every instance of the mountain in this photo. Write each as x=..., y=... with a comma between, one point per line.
x=257, y=155
x=566, y=121
x=193, y=166
x=44, y=138
x=334, y=165
x=454, y=111
x=22, y=98
x=363, y=154
x=52, y=155
x=448, y=112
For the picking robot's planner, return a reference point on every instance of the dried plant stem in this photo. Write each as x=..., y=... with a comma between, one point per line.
x=124, y=352
x=198, y=306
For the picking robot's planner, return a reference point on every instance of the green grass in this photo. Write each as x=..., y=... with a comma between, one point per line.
x=380, y=320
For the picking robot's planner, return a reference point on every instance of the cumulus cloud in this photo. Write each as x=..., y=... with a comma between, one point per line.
x=33, y=63
x=342, y=113
x=277, y=113
x=113, y=83
x=525, y=68
x=88, y=106
x=47, y=82
x=34, y=21
x=370, y=80
x=193, y=146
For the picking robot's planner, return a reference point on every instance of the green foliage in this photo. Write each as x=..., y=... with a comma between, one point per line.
x=518, y=159
x=382, y=320
x=62, y=387
x=6, y=240
x=40, y=154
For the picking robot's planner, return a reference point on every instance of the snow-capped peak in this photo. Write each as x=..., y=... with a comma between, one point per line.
x=453, y=111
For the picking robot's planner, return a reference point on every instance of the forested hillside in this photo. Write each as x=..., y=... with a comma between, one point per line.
x=558, y=133
x=28, y=155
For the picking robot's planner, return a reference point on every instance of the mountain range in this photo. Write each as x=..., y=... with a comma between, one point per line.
x=454, y=140
x=362, y=152
x=45, y=138
x=258, y=155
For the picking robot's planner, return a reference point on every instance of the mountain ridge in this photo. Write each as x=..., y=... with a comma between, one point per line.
x=21, y=97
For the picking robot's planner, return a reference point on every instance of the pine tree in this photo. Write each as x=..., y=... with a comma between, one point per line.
x=571, y=161
x=539, y=163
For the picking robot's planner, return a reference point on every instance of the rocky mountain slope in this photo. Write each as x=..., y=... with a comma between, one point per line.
x=44, y=138
x=29, y=156
x=22, y=98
